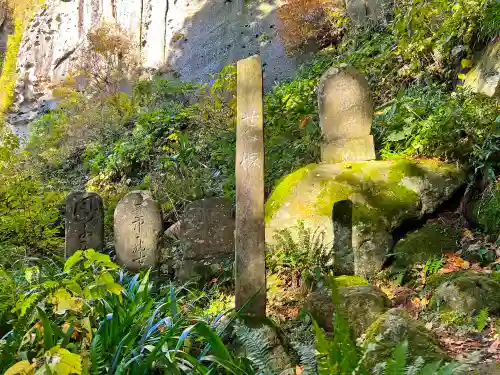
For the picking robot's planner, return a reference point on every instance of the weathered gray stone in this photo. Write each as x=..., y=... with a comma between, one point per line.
x=138, y=228
x=346, y=112
x=432, y=240
x=468, y=293
x=206, y=234
x=84, y=223
x=250, y=259
x=384, y=194
x=363, y=304
x=484, y=78
x=394, y=327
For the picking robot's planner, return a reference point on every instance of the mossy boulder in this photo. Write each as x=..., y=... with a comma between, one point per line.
x=466, y=293
x=432, y=240
x=394, y=327
x=383, y=194
x=363, y=304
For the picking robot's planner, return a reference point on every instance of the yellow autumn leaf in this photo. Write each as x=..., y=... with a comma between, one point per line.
x=63, y=362
x=21, y=368
x=63, y=301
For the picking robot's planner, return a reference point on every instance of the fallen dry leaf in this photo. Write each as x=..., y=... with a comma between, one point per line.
x=494, y=347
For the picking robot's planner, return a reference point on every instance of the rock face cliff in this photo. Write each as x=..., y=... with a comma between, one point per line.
x=193, y=38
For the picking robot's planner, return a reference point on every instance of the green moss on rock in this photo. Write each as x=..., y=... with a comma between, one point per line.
x=362, y=303
x=432, y=240
x=284, y=188
x=469, y=292
x=394, y=327
x=383, y=194
x=345, y=281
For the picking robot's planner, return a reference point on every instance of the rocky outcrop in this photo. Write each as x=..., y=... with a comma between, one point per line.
x=468, y=293
x=382, y=195
x=363, y=305
x=393, y=328
x=484, y=78
x=190, y=39
x=432, y=240
x=205, y=235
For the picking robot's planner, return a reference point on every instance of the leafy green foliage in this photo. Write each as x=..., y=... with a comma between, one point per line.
x=302, y=257
x=490, y=24
x=257, y=348
x=425, y=120
x=110, y=320
x=433, y=35
x=291, y=128
x=433, y=265
x=339, y=356
x=482, y=319
x=487, y=210
x=398, y=365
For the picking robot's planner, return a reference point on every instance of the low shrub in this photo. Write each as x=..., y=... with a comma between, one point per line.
x=429, y=121
x=322, y=22
x=487, y=210
x=490, y=25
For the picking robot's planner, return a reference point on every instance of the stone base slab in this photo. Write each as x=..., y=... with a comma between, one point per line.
x=348, y=149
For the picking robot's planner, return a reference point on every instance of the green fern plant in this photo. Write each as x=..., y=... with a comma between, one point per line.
x=482, y=319
x=433, y=265
x=97, y=362
x=301, y=253
x=339, y=356
x=257, y=347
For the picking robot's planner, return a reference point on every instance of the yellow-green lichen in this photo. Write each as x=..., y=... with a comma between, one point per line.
x=283, y=189
x=331, y=192
x=345, y=281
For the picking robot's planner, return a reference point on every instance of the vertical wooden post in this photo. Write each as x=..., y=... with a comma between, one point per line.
x=250, y=265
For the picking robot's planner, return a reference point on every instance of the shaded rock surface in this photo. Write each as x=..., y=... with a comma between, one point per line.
x=206, y=237
x=484, y=78
x=363, y=304
x=432, y=240
x=191, y=39
x=469, y=292
x=384, y=194
x=394, y=327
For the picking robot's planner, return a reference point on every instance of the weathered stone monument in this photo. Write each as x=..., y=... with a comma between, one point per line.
x=206, y=235
x=346, y=112
x=250, y=265
x=84, y=223
x=138, y=228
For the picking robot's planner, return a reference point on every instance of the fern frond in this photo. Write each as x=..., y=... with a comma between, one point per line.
x=415, y=367
x=307, y=357
x=257, y=347
x=397, y=364
x=482, y=319
x=96, y=356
